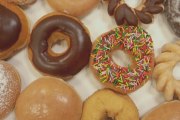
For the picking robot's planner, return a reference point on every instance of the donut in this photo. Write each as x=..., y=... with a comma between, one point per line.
x=165, y=111
x=10, y=87
x=99, y=107
x=76, y=8
x=52, y=29
x=48, y=98
x=136, y=43
x=22, y=2
x=14, y=29
x=172, y=12
x=163, y=71
x=124, y=14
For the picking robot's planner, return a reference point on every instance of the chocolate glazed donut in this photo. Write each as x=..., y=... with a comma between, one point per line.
x=124, y=14
x=10, y=28
x=172, y=11
x=72, y=60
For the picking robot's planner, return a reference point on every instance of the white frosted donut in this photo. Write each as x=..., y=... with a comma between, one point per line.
x=9, y=88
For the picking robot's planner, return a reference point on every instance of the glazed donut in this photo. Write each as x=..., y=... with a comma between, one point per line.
x=10, y=87
x=134, y=41
x=48, y=98
x=108, y=105
x=63, y=27
x=143, y=13
x=172, y=13
x=22, y=2
x=76, y=8
x=165, y=111
x=163, y=71
x=14, y=29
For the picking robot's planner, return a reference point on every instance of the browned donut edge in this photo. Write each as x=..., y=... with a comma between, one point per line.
x=24, y=34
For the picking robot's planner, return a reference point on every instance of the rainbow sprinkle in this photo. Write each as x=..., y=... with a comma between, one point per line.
x=134, y=41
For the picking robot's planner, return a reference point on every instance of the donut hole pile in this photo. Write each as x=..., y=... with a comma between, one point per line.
x=121, y=58
x=58, y=43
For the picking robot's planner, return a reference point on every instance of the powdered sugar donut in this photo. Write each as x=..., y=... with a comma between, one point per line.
x=9, y=88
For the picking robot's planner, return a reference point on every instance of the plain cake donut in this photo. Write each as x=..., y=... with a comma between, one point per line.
x=108, y=105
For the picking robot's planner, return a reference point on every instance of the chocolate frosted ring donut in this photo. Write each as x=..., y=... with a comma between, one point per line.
x=123, y=13
x=51, y=29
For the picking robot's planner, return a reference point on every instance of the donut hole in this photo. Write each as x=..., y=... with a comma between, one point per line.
x=58, y=43
x=134, y=3
x=121, y=58
x=176, y=71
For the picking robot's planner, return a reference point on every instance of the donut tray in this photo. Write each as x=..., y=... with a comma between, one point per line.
x=98, y=22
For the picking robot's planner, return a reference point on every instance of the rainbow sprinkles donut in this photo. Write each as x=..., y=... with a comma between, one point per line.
x=134, y=41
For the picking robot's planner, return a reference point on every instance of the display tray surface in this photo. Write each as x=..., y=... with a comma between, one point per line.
x=98, y=21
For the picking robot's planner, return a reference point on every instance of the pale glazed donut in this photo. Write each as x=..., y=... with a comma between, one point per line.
x=48, y=98
x=108, y=105
x=165, y=111
x=22, y=2
x=163, y=71
x=73, y=7
x=10, y=87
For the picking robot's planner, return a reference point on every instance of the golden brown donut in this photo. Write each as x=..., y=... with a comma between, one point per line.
x=14, y=29
x=163, y=71
x=165, y=111
x=108, y=105
x=10, y=87
x=73, y=7
x=22, y=2
x=48, y=98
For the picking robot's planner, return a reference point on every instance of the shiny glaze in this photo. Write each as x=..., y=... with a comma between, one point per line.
x=49, y=98
x=10, y=28
x=166, y=111
x=74, y=59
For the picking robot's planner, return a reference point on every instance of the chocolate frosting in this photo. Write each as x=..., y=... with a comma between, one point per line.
x=74, y=59
x=10, y=28
x=123, y=13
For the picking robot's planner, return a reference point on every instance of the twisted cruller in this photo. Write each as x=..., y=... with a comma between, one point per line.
x=144, y=12
x=163, y=71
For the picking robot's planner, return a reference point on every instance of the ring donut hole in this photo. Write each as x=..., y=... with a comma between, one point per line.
x=59, y=44
x=176, y=70
x=120, y=58
x=134, y=3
